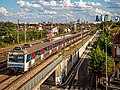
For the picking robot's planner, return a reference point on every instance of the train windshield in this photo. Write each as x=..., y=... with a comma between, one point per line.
x=16, y=58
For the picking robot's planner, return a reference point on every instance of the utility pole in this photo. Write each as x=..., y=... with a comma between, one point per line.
x=18, y=31
x=66, y=25
x=51, y=23
x=75, y=27
x=82, y=29
x=40, y=29
x=25, y=32
x=106, y=64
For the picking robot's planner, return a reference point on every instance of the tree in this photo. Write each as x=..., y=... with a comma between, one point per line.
x=6, y=28
x=101, y=43
x=98, y=57
x=96, y=64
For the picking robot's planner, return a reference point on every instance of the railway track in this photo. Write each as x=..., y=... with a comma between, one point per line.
x=3, y=59
x=3, y=65
x=8, y=81
x=3, y=78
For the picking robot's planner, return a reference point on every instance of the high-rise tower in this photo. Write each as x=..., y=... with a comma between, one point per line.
x=106, y=17
x=97, y=18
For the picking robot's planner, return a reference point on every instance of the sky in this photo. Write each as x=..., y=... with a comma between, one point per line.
x=56, y=10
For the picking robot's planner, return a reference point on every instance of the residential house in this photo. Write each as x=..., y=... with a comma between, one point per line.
x=116, y=51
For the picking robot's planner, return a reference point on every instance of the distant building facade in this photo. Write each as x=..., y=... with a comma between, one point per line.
x=102, y=18
x=117, y=18
x=106, y=17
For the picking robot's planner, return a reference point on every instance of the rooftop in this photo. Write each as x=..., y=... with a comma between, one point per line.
x=116, y=39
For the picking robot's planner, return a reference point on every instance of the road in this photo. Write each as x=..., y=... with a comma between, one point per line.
x=80, y=78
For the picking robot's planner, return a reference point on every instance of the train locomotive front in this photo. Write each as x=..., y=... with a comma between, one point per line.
x=16, y=60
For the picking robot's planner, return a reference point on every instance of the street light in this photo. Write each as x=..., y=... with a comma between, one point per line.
x=106, y=63
x=18, y=31
x=25, y=32
x=40, y=29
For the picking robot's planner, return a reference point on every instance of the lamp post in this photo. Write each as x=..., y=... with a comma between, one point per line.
x=106, y=63
x=40, y=29
x=18, y=31
x=25, y=32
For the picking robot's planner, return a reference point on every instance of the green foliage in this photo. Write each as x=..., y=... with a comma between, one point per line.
x=63, y=51
x=2, y=44
x=101, y=42
x=93, y=32
x=8, y=34
x=104, y=24
x=117, y=24
x=6, y=28
x=111, y=65
x=97, y=60
x=98, y=56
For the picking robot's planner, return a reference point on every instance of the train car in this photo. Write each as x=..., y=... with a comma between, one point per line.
x=22, y=58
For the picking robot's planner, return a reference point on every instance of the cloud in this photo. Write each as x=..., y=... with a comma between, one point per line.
x=60, y=9
x=107, y=0
x=21, y=3
x=49, y=12
x=53, y=3
x=67, y=3
x=114, y=6
x=4, y=11
x=82, y=4
x=93, y=4
x=28, y=4
x=99, y=11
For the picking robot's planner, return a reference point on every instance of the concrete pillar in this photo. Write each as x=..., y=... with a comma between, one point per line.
x=118, y=74
x=58, y=79
x=38, y=88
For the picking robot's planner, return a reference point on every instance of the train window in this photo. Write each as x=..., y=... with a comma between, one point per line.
x=48, y=47
x=37, y=53
x=16, y=58
x=28, y=58
x=60, y=43
x=53, y=45
x=11, y=58
x=20, y=58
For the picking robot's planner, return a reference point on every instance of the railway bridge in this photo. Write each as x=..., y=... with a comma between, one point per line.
x=52, y=71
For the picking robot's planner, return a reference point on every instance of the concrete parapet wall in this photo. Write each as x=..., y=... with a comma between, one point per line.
x=82, y=49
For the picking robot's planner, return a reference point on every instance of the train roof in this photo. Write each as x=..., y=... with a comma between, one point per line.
x=38, y=45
